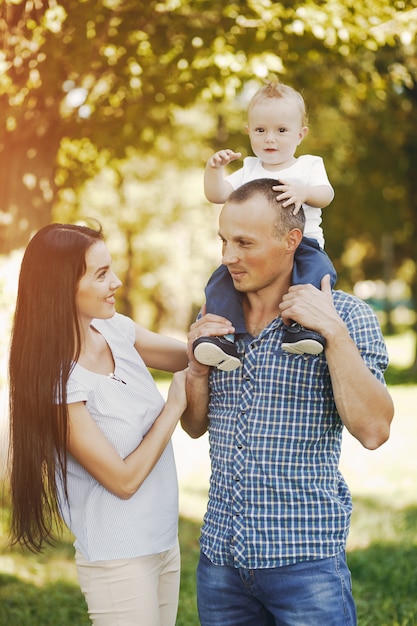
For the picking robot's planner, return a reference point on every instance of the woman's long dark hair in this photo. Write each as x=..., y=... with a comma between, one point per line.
x=44, y=345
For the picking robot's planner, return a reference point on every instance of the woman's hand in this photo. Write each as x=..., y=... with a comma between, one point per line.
x=176, y=392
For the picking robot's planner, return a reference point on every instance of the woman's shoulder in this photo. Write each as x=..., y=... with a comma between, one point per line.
x=118, y=327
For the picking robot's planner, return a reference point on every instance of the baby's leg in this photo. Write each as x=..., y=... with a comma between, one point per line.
x=311, y=263
x=221, y=299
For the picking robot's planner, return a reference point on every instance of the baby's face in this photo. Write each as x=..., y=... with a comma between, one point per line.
x=275, y=130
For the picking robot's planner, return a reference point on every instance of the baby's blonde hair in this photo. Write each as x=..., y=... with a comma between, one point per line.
x=276, y=89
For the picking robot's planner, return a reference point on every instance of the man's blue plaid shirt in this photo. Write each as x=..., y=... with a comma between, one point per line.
x=276, y=494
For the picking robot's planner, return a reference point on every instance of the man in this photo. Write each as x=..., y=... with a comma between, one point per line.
x=274, y=535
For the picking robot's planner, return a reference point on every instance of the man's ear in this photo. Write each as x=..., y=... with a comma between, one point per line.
x=294, y=238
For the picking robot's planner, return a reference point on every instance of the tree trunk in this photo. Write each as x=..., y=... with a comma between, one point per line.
x=27, y=169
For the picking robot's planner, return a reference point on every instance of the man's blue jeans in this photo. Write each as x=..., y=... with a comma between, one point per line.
x=312, y=593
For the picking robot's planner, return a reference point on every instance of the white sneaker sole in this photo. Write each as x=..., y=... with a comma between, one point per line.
x=209, y=354
x=305, y=346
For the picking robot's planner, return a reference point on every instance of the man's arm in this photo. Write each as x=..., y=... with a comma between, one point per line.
x=195, y=418
x=363, y=402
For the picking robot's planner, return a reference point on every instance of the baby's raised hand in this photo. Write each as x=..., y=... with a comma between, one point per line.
x=222, y=158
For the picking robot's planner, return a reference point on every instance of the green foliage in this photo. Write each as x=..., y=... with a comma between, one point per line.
x=111, y=108
x=399, y=376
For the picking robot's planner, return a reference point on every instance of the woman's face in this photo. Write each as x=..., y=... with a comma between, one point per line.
x=95, y=293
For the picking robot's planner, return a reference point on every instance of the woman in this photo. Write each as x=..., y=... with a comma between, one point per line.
x=90, y=433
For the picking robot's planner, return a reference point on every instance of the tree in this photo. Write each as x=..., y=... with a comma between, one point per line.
x=88, y=85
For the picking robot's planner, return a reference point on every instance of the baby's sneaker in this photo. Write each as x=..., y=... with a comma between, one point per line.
x=299, y=340
x=217, y=352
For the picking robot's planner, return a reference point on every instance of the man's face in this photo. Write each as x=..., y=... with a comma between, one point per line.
x=255, y=256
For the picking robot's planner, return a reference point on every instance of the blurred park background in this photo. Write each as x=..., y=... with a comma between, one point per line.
x=109, y=110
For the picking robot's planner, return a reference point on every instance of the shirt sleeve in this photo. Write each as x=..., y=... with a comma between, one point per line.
x=250, y=170
x=76, y=392
x=236, y=179
x=317, y=174
x=365, y=330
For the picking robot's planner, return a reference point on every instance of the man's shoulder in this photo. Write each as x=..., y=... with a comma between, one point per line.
x=343, y=296
x=344, y=301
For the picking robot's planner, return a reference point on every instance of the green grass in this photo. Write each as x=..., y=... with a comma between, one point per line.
x=384, y=576
x=384, y=572
x=42, y=590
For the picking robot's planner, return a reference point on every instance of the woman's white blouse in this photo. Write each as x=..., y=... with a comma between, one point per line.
x=106, y=527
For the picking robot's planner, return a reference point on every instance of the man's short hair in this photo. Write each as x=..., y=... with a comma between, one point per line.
x=286, y=220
